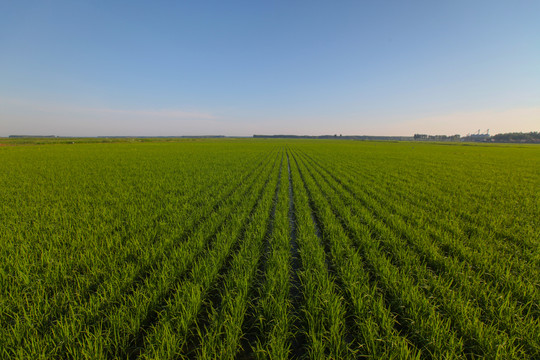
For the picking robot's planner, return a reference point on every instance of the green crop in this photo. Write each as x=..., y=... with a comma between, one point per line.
x=269, y=249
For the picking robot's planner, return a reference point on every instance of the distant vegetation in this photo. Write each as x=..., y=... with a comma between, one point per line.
x=515, y=137
x=35, y=140
x=518, y=137
x=336, y=136
x=532, y=137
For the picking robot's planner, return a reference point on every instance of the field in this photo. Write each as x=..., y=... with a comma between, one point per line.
x=238, y=248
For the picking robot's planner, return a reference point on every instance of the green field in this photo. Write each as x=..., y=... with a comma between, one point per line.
x=239, y=248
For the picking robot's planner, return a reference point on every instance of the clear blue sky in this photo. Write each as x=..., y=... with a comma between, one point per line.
x=88, y=68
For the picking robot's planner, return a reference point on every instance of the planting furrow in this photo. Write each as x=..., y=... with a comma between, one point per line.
x=438, y=197
x=69, y=322
x=446, y=250
x=124, y=319
x=460, y=224
x=455, y=219
x=420, y=321
x=434, y=250
x=323, y=314
x=171, y=333
x=224, y=330
x=250, y=326
x=374, y=323
x=274, y=317
x=479, y=338
x=295, y=265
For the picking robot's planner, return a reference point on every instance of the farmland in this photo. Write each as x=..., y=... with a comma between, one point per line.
x=238, y=248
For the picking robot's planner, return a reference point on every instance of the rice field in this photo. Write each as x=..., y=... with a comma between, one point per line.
x=269, y=249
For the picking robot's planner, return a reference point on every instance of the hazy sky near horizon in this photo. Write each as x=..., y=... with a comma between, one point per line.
x=96, y=68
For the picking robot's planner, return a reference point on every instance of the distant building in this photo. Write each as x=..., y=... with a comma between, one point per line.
x=478, y=137
x=425, y=137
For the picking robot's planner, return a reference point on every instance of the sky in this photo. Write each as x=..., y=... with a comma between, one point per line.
x=238, y=68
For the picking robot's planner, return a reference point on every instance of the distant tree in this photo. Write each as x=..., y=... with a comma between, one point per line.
x=530, y=137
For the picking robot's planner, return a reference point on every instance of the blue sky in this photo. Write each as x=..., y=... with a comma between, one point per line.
x=251, y=67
